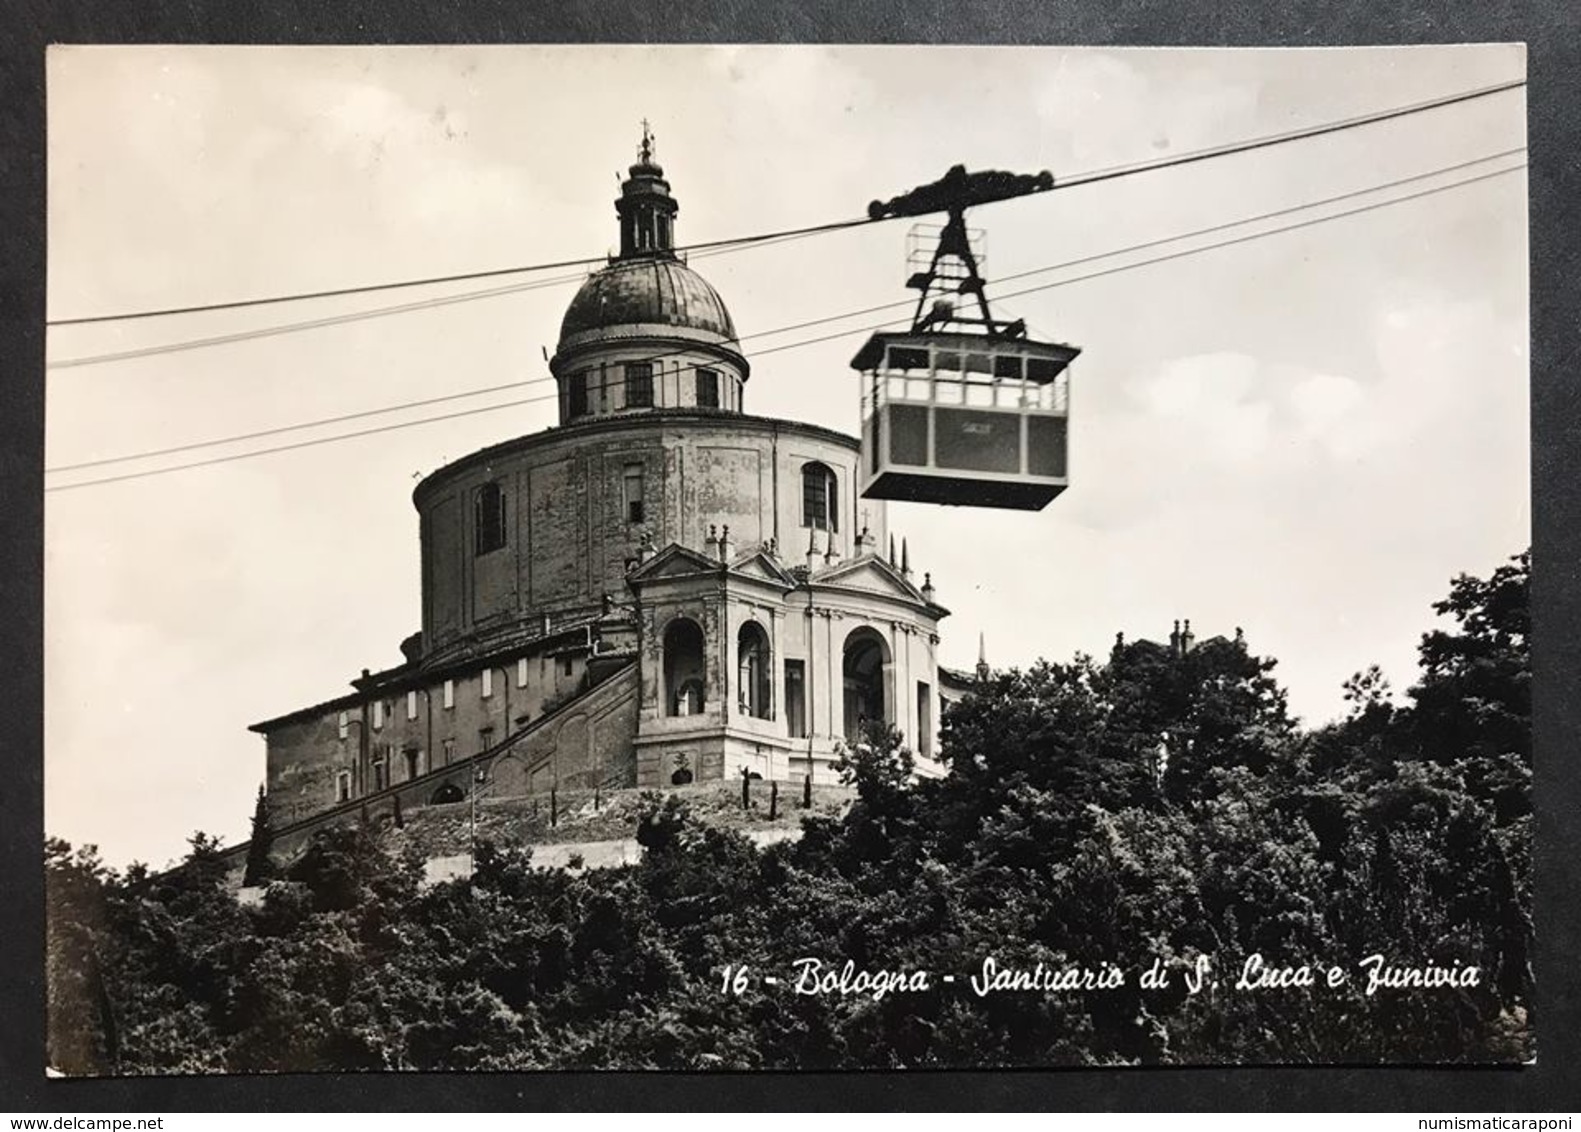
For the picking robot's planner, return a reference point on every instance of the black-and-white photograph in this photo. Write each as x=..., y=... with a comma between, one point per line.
x=768, y=557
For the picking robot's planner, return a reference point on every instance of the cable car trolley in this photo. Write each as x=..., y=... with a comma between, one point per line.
x=962, y=410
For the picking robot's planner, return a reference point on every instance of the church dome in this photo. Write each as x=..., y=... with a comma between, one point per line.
x=646, y=332
x=649, y=292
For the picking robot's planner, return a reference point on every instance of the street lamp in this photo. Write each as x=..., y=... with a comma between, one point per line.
x=479, y=776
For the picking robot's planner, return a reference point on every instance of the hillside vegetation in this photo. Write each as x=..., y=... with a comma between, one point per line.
x=1147, y=812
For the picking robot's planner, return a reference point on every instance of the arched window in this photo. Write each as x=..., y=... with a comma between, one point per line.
x=820, y=497
x=753, y=686
x=865, y=678
x=683, y=667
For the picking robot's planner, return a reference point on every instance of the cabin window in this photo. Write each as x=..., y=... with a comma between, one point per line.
x=488, y=507
x=632, y=492
x=639, y=385
x=708, y=388
x=820, y=498
x=1008, y=367
x=1042, y=370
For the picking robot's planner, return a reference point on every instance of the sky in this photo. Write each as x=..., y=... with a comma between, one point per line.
x=1305, y=434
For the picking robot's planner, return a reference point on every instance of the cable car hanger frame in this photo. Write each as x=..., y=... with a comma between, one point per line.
x=931, y=431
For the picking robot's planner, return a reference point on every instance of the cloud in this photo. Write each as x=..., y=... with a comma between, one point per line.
x=1147, y=110
x=1322, y=402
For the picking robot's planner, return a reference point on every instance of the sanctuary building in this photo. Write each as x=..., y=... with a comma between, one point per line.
x=662, y=589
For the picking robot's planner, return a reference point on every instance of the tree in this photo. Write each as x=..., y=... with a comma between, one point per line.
x=878, y=765
x=1474, y=695
x=260, y=868
x=1367, y=691
x=81, y=1020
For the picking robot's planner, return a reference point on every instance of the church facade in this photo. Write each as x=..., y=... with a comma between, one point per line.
x=662, y=589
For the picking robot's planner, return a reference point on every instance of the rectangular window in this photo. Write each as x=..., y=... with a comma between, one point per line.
x=708, y=388
x=576, y=395
x=411, y=754
x=639, y=385
x=343, y=786
x=378, y=774
x=488, y=518
x=378, y=714
x=813, y=507
x=345, y=724
x=450, y=693
x=485, y=738
x=566, y=664
x=449, y=748
x=521, y=672
x=924, y=719
x=633, y=494
x=411, y=705
x=488, y=682
x=796, y=698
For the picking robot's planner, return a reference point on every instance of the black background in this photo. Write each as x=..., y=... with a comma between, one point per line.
x=1551, y=28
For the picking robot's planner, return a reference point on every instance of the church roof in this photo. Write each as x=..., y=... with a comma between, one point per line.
x=648, y=292
x=873, y=574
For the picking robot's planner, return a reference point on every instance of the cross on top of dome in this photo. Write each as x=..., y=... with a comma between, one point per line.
x=645, y=150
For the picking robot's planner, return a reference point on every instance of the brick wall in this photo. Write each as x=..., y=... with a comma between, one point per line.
x=587, y=741
x=411, y=731
x=569, y=537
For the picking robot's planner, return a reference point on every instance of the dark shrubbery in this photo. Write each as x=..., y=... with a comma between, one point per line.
x=1149, y=807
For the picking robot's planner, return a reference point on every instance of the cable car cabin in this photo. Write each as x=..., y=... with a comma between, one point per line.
x=965, y=419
